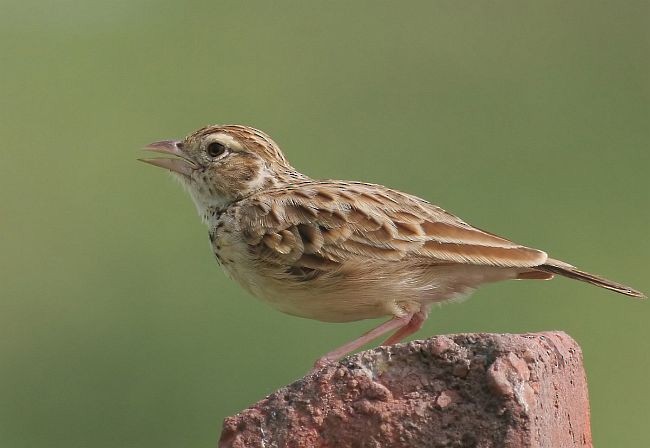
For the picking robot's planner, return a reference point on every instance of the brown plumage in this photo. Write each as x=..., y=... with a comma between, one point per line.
x=340, y=251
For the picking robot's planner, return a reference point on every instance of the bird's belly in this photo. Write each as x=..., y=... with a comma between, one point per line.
x=326, y=299
x=356, y=291
x=315, y=303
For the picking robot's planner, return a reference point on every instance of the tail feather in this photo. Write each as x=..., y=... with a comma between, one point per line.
x=558, y=267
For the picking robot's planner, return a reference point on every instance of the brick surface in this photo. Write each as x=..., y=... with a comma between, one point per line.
x=465, y=390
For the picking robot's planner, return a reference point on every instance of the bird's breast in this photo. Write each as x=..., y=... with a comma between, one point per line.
x=226, y=244
x=232, y=253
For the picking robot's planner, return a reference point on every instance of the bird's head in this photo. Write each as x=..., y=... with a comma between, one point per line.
x=222, y=164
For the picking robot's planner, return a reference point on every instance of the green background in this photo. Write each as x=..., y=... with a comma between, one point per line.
x=117, y=329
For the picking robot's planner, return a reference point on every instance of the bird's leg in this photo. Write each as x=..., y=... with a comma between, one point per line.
x=413, y=325
x=393, y=324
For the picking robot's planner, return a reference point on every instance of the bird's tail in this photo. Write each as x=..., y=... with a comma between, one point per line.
x=559, y=267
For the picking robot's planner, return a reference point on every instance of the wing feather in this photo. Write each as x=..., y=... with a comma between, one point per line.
x=315, y=224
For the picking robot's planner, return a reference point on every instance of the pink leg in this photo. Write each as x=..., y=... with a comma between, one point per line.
x=411, y=327
x=393, y=324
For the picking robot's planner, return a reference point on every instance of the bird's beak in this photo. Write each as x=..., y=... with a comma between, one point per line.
x=182, y=164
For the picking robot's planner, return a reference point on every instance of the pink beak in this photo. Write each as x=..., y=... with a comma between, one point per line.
x=181, y=165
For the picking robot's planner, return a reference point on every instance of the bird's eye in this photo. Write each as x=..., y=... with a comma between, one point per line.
x=215, y=149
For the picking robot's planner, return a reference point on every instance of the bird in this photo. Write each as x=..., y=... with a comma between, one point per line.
x=339, y=251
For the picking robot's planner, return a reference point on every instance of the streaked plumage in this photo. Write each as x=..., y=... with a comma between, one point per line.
x=340, y=251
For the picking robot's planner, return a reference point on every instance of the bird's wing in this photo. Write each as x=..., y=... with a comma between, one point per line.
x=321, y=224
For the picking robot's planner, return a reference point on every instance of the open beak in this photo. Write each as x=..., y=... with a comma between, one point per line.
x=181, y=165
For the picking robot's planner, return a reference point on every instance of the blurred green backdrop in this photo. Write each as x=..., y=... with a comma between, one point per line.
x=117, y=329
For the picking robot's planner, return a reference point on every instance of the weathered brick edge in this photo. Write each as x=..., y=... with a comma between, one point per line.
x=464, y=390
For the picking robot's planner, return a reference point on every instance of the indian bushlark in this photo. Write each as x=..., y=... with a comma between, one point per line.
x=339, y=251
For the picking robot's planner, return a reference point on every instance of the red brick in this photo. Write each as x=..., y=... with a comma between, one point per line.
x=466, y=390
